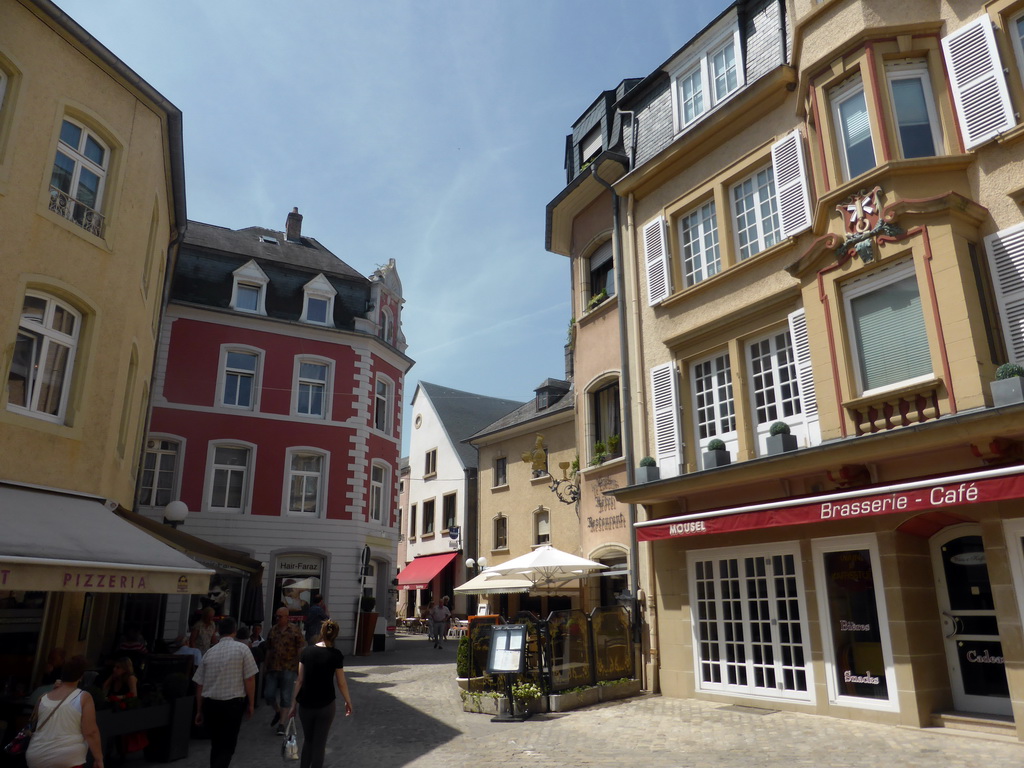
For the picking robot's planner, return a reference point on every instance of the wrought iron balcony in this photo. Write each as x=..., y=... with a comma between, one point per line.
x=65, y=205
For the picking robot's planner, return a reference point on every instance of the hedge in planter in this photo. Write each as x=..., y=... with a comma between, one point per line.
x=1008, y=387
x=715, y=455
x=779, y=439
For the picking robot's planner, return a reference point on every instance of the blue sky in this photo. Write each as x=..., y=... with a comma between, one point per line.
x=427, y=131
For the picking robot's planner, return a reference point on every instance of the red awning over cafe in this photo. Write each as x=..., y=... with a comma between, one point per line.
x=420, y=572
x=936, y=493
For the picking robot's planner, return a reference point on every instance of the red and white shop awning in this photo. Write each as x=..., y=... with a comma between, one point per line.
x=420, y=572
x=941, y=493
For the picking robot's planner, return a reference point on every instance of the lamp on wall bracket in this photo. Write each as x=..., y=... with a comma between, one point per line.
x=175, y=513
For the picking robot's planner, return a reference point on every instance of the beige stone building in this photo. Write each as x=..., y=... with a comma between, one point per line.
x=823, y=240
x=91, y=206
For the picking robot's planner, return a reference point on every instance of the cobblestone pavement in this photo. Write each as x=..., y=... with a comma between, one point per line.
x=408, y=715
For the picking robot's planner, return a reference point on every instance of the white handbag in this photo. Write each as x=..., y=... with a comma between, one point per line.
x=290, y=747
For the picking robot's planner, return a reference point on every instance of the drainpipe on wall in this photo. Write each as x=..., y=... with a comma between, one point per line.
x=625, y=398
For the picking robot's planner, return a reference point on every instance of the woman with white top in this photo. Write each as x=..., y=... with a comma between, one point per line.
x=66, y=728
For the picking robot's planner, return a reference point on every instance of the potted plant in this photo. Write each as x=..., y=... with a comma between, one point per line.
x=779, y=439
x=525, y=699
x=1008, y=387
x=596, y=299
x=600, y=454
x=648, y=470
x=715, y=454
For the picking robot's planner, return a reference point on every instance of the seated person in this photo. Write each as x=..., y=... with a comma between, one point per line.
x=122, y=681
x=185, y=648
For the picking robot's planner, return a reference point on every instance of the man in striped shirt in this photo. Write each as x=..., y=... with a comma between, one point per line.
x=225, y=692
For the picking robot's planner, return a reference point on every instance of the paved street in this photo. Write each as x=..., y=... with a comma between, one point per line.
x=408, y=713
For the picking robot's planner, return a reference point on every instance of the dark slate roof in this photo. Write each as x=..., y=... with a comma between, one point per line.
x=306, y=254
x=464, y=413
x=529, y=411
x=209, y=255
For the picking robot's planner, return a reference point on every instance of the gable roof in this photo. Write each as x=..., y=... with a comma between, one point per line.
x=464, y=413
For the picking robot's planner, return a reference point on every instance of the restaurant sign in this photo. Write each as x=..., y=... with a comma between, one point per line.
x=49, y=577
x=954, y=492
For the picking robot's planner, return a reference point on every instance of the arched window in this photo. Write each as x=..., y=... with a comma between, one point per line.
x=42, y=365
x=541, y=527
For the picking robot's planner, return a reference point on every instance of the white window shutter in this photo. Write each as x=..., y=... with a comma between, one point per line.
x=791, y=186
x=665, y=402
x=804, y=374
x=656, y=255
x=979, y=85
x=1006, y=258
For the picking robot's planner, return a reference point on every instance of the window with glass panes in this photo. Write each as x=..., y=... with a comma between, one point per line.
x=305, y=481
x=756, y=213
x=378, y=476
x=773, y=379
x=448, y=510
x=750, y=626
x=500, y=532
x=852, y=128
x=604, y=405
x=312, y=389
x=412, y=521
x=229, y=478
x=159, y=473
x=247, y=297
x=698, y=243
x=541, y=527
x=500, y=471
x=602, y=272
x=428, y=516
x=712, y=390
x=239, y=378
x=382, y=406
x=430, y=462
x=917, y=124
x=43, y=358
x=79, y=173
x=889, y=336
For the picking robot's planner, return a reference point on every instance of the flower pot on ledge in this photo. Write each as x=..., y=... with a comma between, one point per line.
x=1007, y=391
x=782, y=443
x=716, y=458
x=647, y=474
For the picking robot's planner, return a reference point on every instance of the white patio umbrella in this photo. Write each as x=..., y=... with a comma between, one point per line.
x=547, y=565
x=490, y=583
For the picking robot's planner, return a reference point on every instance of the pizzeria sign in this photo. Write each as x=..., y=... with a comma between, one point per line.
x=919, y=496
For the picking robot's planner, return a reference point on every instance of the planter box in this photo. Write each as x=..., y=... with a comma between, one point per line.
x=715, y=459
x=472, y=683
x=566, y=702
x=483, y=704
x=525, y=709
x=619, y=690
x=171, y=742
x=781, y=444
x=1008, y=391
x=647, y=474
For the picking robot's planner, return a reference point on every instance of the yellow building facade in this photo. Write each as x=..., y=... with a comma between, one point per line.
x=91, y=203
x=823, y=236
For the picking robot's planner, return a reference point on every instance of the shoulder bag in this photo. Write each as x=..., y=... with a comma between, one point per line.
x=19, y=744
x=290, y=747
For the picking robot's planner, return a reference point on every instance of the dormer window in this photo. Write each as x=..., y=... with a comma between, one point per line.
x=590, y=146
x=318, y=306
x=249, y=292
x=708, y=76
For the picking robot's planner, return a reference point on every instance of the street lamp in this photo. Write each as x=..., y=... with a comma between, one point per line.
x=175, y=513
x=476, y=565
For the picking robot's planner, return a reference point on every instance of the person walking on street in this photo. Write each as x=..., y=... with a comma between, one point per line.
x=225, y=692
x=281, y=665
x=66, y=729
x=317, y=615
x=320, y=666
x=439, y=618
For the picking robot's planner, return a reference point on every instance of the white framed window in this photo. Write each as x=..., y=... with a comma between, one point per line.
x=852, y=127
x=887, y=332
x=704, y=82
x=240, y=378
x=750, y=627
x=229, y=477
x=500, y=472
x=714, y=409
x=249, y=289
x=541, y=527
x=428, y=516
x=449, y=510
x=305, y=487
x=602, y=274
x=859, y=670
x=774, y=387
x=386, y=325
x=756, y=213
x=698, y=244
x=43, y=359
x=430, y=463
x=917, y=122
x=383, y=395
x=318, y=301
x=160, y=481
x=605, y=422
x=79, y=175
x=311, y=387
x=378, y=491
x=500, y=532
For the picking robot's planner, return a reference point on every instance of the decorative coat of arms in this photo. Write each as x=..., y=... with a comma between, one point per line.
x=862, y=220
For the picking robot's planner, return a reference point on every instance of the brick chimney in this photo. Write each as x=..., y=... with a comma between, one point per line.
x=293, y=226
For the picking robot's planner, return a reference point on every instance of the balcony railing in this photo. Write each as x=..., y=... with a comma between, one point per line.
x=900, y=407
x=65, y=205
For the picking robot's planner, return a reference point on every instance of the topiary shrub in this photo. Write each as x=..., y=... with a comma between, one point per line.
x=716, y=445
x=367, y=603
x=462, y=657
x=1008, y=371
x=779, y=428
x=648, y=461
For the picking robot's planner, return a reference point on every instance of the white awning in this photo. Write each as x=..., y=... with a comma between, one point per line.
x=55, y=542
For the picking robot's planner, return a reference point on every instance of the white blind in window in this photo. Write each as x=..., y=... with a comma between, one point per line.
x=891, y=337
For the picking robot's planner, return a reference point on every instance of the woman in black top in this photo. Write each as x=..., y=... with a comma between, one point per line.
x=320, y=666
